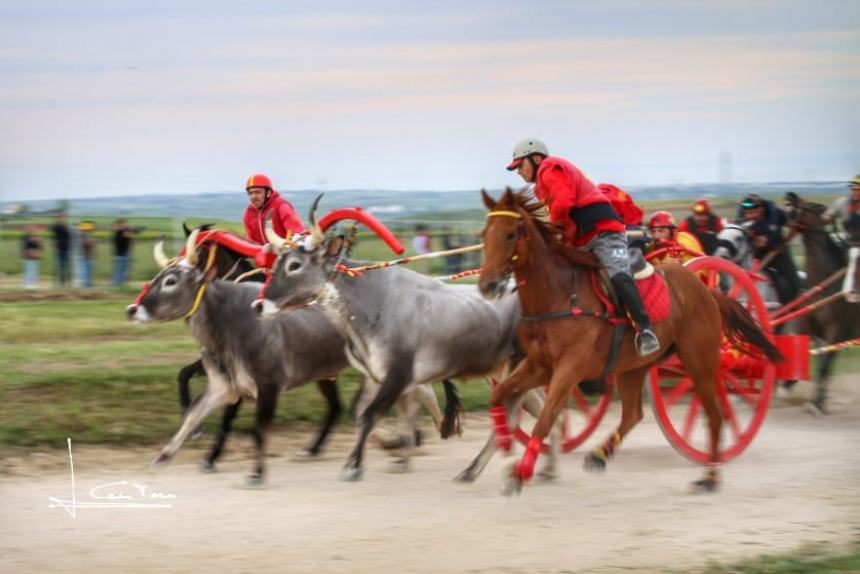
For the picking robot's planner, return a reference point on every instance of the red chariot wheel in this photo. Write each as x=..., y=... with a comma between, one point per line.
x=744, y=384
x=579, y=419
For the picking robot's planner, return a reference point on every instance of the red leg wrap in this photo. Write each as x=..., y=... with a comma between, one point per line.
x=499, y=416
x=525, y=470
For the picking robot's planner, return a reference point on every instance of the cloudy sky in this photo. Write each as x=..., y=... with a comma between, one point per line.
x=116, y=98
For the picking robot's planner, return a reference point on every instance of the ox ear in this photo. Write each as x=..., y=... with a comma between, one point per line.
x=488, y=200
x=334, y=246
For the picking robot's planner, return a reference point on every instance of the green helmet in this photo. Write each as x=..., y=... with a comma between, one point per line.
x=524, y=149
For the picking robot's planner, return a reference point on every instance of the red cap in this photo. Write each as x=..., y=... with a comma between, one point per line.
x=515, y=164
x=661, y=219
x=258, y=180
x=702, y=205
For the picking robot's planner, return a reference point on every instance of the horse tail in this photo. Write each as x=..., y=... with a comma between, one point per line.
x=742, y=330
x=451, y=421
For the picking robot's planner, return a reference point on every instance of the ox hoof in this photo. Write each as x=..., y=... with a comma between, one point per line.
x=547, y=474
x=351, y=474
x=306, y=455
x=594, y=463
x=162, y=459
x=512, y=485
x=815, y=409
x=207, y=466
x=467, y=476
x=399, y=466
x=254, y=480
x=704, y=486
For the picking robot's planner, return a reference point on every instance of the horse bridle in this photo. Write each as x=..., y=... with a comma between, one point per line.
x=509, y=269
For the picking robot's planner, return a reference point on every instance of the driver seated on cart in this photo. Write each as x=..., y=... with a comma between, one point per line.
x=681, y=246
x=764, y=221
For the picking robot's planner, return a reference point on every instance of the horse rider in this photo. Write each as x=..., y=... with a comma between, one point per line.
x=265, y=202
x=589, y=222
x=764, y=222
x=847, y=209
x=666, y=233
x=704, y=224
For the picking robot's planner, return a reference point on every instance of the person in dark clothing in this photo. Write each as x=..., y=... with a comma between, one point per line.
x=764, y=222
x=122, y=249
x=62, y=246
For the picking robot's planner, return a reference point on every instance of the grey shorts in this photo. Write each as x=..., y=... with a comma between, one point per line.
x=611, y=251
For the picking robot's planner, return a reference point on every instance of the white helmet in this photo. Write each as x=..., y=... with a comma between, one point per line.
x=524, y=149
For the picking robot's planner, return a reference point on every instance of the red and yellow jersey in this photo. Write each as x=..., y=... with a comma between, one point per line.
x=683, y=247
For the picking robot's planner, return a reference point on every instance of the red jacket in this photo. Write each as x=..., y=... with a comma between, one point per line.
x=284, y=217
x=574, y=202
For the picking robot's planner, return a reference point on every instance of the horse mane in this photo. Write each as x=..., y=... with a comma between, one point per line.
x=551, y=233
x=832, y=249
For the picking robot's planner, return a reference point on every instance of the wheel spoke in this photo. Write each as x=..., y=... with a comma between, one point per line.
x=679, y=391
x=733, y=294
x=692, y=413
x=746, y=393
x=581, y=402
x=728, y=411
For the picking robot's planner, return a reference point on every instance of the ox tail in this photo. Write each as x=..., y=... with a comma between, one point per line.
x=742, y=330
x=451, y=421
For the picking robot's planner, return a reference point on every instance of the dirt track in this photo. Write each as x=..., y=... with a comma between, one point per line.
x=797, y=484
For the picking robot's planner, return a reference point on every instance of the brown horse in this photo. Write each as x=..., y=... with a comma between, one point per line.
x=839, y=320
x=564, y=348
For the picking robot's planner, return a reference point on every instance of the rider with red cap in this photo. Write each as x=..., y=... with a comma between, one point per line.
x=264, y=202
x=704, y=224
x=588, y=221
x=666, y=233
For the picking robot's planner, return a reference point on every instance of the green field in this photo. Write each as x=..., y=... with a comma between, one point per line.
x=78, y=368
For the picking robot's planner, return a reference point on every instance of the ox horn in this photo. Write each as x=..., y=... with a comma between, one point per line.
x=317, y=234
x=276, y=240
x=191, y=248
x=158, y=253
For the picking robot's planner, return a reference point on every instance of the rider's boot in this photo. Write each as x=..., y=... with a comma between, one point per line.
x=646, y=340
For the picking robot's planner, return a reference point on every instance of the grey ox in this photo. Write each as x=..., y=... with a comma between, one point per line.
x=243, y=356
x=403, y=329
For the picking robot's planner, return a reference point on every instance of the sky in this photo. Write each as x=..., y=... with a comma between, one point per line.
x=124, y=98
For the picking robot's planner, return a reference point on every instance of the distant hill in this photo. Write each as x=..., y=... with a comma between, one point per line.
x=388, y=205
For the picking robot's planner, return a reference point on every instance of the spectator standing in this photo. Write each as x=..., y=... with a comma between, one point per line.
x=122, y=249
x=87, y=248
x=31, y=253
x=421, y=244
x=62, y=248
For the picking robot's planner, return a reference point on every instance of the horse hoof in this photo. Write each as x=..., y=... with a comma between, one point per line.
x=163, y=458
x=594, y=463
x=254, y=480
x=512, y=486
x=351, y=474
x=207, y=466
x=198, y=432
x=392, y=443
x=705, y=485
x=399, y=466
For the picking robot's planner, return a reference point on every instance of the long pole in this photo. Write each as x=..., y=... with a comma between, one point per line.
x=835, y=347
x=805, y=310
x=811, y=292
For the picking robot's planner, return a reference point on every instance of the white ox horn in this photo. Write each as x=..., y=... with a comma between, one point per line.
x=276, y=240
x=158, y=253
x=191, y=248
